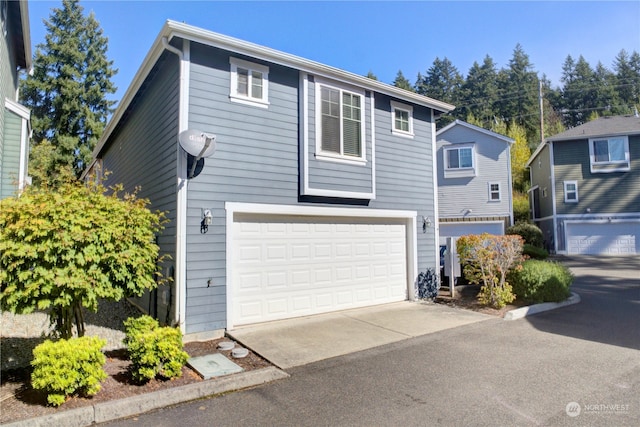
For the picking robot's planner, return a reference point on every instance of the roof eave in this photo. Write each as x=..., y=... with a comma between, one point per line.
x=173, y=29
x=26, y=34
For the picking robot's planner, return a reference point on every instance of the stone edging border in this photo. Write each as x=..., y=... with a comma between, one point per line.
x=521, y=312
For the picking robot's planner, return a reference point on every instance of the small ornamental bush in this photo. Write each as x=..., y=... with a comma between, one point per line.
x=486, y=260
x=66, y=367
x=541, y=281
x=427, y=285
x=534, y=252
x=154, y=350
x=529, y=232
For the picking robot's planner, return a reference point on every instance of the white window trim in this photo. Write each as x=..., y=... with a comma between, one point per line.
x=566, y=192
x=544, y=192
x=459, y=147
x=489, y=184
x=609, y=166
x=406, y=108
x=233, y=90
x=329, y=155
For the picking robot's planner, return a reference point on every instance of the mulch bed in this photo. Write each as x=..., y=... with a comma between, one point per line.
x=19, y=401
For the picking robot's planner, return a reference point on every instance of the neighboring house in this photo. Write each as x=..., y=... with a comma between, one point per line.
x=315, y=197
x=474, y=181
x=15, y=56
x=585, y=188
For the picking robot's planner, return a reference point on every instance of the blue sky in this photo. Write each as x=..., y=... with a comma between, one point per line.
x=378, y=36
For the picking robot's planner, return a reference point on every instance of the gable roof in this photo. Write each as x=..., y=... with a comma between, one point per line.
x=477, y=129
x=600, y=127
x=173, y=29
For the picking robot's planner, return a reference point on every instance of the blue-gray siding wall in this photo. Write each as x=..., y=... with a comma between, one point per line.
x=143, y=152
x=614, y=192
x=327, y=175
x=257, y=161
x=10, y=154
x=456, y=195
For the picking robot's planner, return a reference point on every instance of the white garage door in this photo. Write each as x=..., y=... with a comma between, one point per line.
x=294, y=266
x=462, y=229
x=614, y=238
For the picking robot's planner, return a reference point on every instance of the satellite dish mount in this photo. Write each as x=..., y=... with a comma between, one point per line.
x=198, y=144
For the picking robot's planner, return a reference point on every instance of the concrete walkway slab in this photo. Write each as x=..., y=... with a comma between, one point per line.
x=295, y=342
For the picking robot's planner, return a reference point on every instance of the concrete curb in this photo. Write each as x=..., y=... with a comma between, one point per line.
x=519, y=313
x=113, y=410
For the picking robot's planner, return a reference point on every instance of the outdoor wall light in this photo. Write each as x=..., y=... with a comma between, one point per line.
x=207, y=219
x=426, y=223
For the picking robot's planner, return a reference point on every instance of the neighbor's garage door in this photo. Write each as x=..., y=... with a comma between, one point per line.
x=463, y=229
x=614, y=238
x=294, y=266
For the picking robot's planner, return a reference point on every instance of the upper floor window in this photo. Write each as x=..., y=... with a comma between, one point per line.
x=249, y=83
x=402, y=119
x=341, y=117
x=609, y=154
x=571, y=191
x=459, y=161
x=494, y=192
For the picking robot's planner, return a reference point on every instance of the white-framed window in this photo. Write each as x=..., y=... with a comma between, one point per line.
x=609, y=154
x=401, y=119
x=249, y=83
x=570, y=191
x=494, y=192
x=340, y=125
x=459, y=157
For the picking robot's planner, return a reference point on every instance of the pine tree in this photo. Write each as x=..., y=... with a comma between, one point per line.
x=67, y=93
x=402, y=82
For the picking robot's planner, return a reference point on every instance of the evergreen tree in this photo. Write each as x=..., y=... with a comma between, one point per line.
x=372, y=76
x=578, y=92
x=442, y=82
x=479, y=93
x=519, y=92
x=627, y=77
x=68, y=89
x=402, y=82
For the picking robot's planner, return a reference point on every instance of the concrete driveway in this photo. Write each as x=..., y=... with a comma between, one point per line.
x=295, y=342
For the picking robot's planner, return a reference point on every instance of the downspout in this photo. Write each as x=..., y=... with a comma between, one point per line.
x=510, y=187
x=182, y=183
x=436, y=203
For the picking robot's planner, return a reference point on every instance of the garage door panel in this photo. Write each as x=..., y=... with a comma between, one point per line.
x=290, y=269
x=592, y=238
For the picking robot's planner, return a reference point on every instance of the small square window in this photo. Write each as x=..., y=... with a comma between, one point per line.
x=571, y=191
x=402, y=119
x=494, y=192
x=249, y=83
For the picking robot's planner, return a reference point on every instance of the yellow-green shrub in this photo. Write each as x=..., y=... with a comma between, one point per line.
x=541, y=281
x=66, y=367
x=154, y=350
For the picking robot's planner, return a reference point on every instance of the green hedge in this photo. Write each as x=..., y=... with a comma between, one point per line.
x=66, y=367
x=534, y=252
x=541, y=281
x=529, y=232
x=154, y=350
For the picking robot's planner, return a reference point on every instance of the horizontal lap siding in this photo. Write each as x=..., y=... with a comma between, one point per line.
x=541, y=176
x=256, y=161
x=600, y=192
x=10, y=154
x=456, y=195
x=330, y=175
x=404, y=173
x=143, y=151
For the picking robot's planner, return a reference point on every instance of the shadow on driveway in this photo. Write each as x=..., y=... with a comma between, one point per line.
x=609, y=311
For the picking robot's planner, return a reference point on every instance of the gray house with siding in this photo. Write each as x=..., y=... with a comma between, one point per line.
x=313, y=201
x=474, y=181
x=15, y=127
x=585, y=188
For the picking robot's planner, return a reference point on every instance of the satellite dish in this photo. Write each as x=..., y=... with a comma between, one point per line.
x=197, y=143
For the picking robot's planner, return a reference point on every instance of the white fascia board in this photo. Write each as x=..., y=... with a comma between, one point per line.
x=487, y=132
x=19, y=109
x=26, y=34
x=270, y=209
x=535, y=154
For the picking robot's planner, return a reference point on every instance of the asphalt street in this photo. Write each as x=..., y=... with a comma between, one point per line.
x=574, y=366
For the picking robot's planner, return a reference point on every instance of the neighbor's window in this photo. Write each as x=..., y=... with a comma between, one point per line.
x=609, y=154
x=249, y=83
x=494, y=191
x=402, y=118
x=341, y=123
x=571, y=191
x=459, y=158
